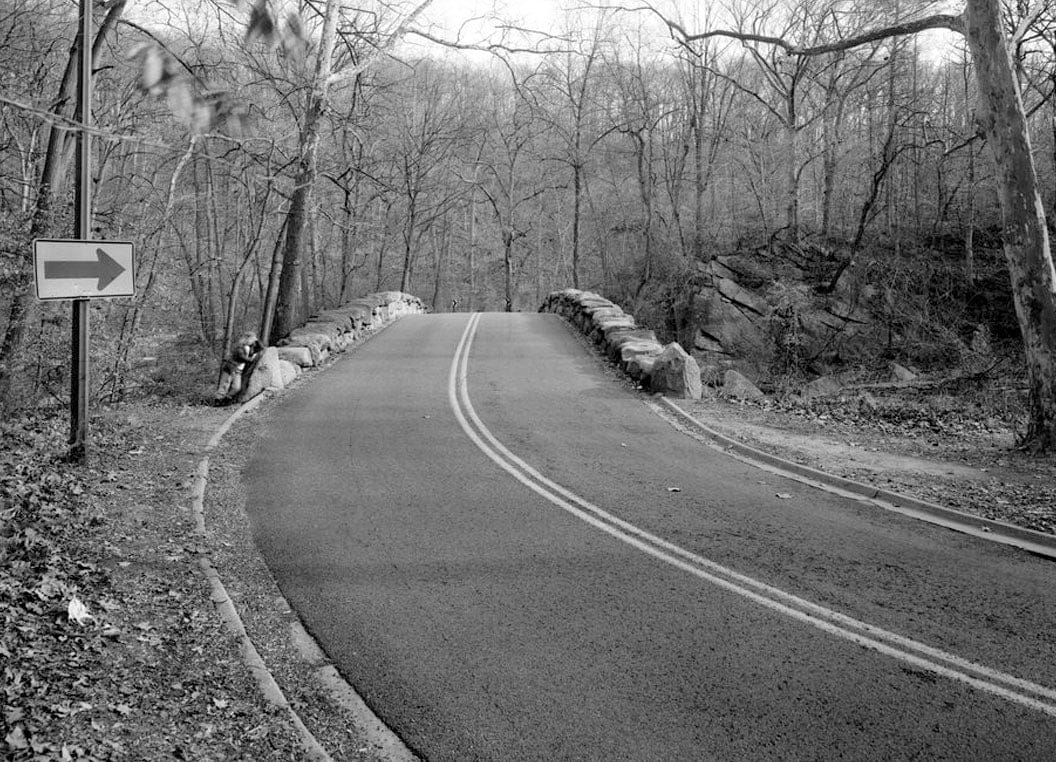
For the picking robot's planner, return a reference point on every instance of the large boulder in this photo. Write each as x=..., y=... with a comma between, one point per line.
x=317, y=345
x=676, y=373
x=288, y=371
x=267, y=375
x=341, y=318
x=361, y=315
x=633, y=351
x=640, y=367
x=616, y=340
x=300, y=356
x=327, y=328
x=301, y=337
x=363, y=310
x=603, y=325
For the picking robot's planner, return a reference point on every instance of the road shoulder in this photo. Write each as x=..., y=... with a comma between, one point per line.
x=995, y=485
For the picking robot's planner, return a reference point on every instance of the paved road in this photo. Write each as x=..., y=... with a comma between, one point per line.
x=477, y=521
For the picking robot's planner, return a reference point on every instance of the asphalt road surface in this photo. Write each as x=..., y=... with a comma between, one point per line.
x=512, y=557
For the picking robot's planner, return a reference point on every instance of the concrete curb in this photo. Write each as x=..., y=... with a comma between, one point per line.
x=376, y=732
x=269, y=687
x=1038, y=543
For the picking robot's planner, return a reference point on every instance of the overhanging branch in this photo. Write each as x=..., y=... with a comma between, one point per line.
x=954, y=23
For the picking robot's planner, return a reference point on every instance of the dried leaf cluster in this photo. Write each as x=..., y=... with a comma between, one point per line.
x=109, y=648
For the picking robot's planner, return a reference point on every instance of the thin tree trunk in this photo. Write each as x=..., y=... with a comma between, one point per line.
x=577, y=215
x=792, y=169
x=507, y=266
x=133, y=316
x=271, y=295
x=23, y=307
x=699, y=179
x=471, y=250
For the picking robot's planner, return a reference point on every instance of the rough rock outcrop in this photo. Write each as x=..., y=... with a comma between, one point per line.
x=749, y=310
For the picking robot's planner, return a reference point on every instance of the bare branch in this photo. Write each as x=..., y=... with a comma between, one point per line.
x=952, y=22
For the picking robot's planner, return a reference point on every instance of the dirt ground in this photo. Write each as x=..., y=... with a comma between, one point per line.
x=939, y=456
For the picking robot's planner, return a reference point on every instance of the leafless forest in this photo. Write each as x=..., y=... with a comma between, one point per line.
x=271, y=162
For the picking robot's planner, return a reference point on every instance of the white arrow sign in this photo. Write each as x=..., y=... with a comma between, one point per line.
x=67, y=269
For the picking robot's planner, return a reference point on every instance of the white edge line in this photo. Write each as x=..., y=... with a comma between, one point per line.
x=815, y=614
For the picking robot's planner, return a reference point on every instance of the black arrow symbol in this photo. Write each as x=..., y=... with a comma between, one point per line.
x=104, y=268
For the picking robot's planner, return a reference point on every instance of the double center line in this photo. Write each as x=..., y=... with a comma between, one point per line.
x=906, y=650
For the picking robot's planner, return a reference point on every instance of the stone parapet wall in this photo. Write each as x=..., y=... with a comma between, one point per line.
x=635, y=350
x=326, y=333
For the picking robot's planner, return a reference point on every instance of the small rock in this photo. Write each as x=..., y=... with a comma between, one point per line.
x=866, y=401
x=736, y=385
x=901, y=373
x=825, y=386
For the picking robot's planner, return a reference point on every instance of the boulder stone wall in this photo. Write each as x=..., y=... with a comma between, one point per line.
x=326, y=333
x=635, y=350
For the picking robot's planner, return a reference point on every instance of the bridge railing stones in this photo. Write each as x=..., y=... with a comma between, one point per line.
x=326, y=333
x=635, y=350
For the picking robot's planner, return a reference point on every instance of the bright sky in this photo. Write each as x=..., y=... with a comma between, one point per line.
x=478, y=22
x=538, y=14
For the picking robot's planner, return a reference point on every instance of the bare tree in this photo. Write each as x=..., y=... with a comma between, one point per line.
x=576, y=121
x=58, y=152
x=1004, y=121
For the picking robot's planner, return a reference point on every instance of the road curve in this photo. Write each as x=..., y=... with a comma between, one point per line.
x=511, y=557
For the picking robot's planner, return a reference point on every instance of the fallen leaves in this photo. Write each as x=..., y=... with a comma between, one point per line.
x=16, y=739
x=77, y=612
x=102, y=611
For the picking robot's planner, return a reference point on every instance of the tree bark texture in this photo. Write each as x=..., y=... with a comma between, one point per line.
x=1024, y=234
x=290, y=309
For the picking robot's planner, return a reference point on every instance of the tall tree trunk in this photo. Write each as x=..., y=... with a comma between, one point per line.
x=699, y=179
x=471, y=249
x=408, y=245
x=271, y=293
x=290, y=309
x=830, y=163
x=346, y=244
x=1024, y=233
x=577, y=216
x=792, y=168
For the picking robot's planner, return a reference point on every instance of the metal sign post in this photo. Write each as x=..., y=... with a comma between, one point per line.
x=78, y=442
x=82, y=269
